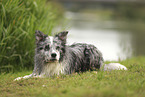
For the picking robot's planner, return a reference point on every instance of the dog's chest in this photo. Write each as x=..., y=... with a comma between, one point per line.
x=51, y=69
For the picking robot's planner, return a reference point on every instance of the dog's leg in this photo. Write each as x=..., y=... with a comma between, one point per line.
x=29, y=76
x=25, y=77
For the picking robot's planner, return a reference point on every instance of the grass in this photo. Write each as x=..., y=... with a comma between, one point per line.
x=19, y=19
x=129, y=83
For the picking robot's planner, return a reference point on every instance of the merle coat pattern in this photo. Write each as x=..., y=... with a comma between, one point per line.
x=53, y=56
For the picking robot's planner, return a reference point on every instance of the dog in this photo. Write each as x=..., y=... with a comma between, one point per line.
x=54, y=57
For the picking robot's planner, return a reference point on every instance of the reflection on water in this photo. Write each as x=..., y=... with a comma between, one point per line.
x=108, y=41
x=84, y=29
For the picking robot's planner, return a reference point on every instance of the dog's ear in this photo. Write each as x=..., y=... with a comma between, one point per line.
x=62, y=35
x=39, y=36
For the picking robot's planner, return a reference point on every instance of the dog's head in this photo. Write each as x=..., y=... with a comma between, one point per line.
x=51, y=48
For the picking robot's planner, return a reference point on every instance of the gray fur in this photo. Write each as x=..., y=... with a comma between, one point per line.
x=82, y=57
x=74, y=58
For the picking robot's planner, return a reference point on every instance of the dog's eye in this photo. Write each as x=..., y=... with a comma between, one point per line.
x=40, y=48
x=57, y=47
x=47, y=47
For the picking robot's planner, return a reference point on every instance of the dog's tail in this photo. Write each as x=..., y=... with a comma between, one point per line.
x=113, y=66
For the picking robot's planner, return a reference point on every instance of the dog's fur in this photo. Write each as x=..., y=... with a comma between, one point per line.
x=54, y=57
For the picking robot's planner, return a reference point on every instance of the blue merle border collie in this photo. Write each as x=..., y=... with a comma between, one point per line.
x=54, y=57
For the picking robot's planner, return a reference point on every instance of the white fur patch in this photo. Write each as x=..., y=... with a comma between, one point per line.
x=58, y=55
x=25, y=77
x=114, y=66
x=51, y=69
x=53, y=50
x=51, y=40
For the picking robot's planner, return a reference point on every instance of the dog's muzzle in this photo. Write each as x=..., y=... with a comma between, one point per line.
x=52, y=59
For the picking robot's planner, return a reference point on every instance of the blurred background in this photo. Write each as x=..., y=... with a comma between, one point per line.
x=115, y=27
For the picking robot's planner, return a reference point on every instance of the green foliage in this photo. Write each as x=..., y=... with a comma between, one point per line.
x=130, y=11
x=130, y=83
x=18, y=21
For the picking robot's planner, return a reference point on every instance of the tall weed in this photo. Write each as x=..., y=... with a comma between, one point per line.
x=18, y=21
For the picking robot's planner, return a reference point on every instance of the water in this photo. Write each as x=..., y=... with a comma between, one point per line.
x=83, y=28
x=116, y=29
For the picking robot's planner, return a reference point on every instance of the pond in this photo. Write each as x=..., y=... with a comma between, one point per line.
x=116, y=39
x=85, y=30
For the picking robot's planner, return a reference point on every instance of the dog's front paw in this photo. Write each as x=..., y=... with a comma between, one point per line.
x=19, y=78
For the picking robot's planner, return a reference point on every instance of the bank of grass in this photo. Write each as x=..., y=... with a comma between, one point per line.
x=129, y=83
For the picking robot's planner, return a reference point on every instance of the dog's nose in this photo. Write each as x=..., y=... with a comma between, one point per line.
x=53, y=55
